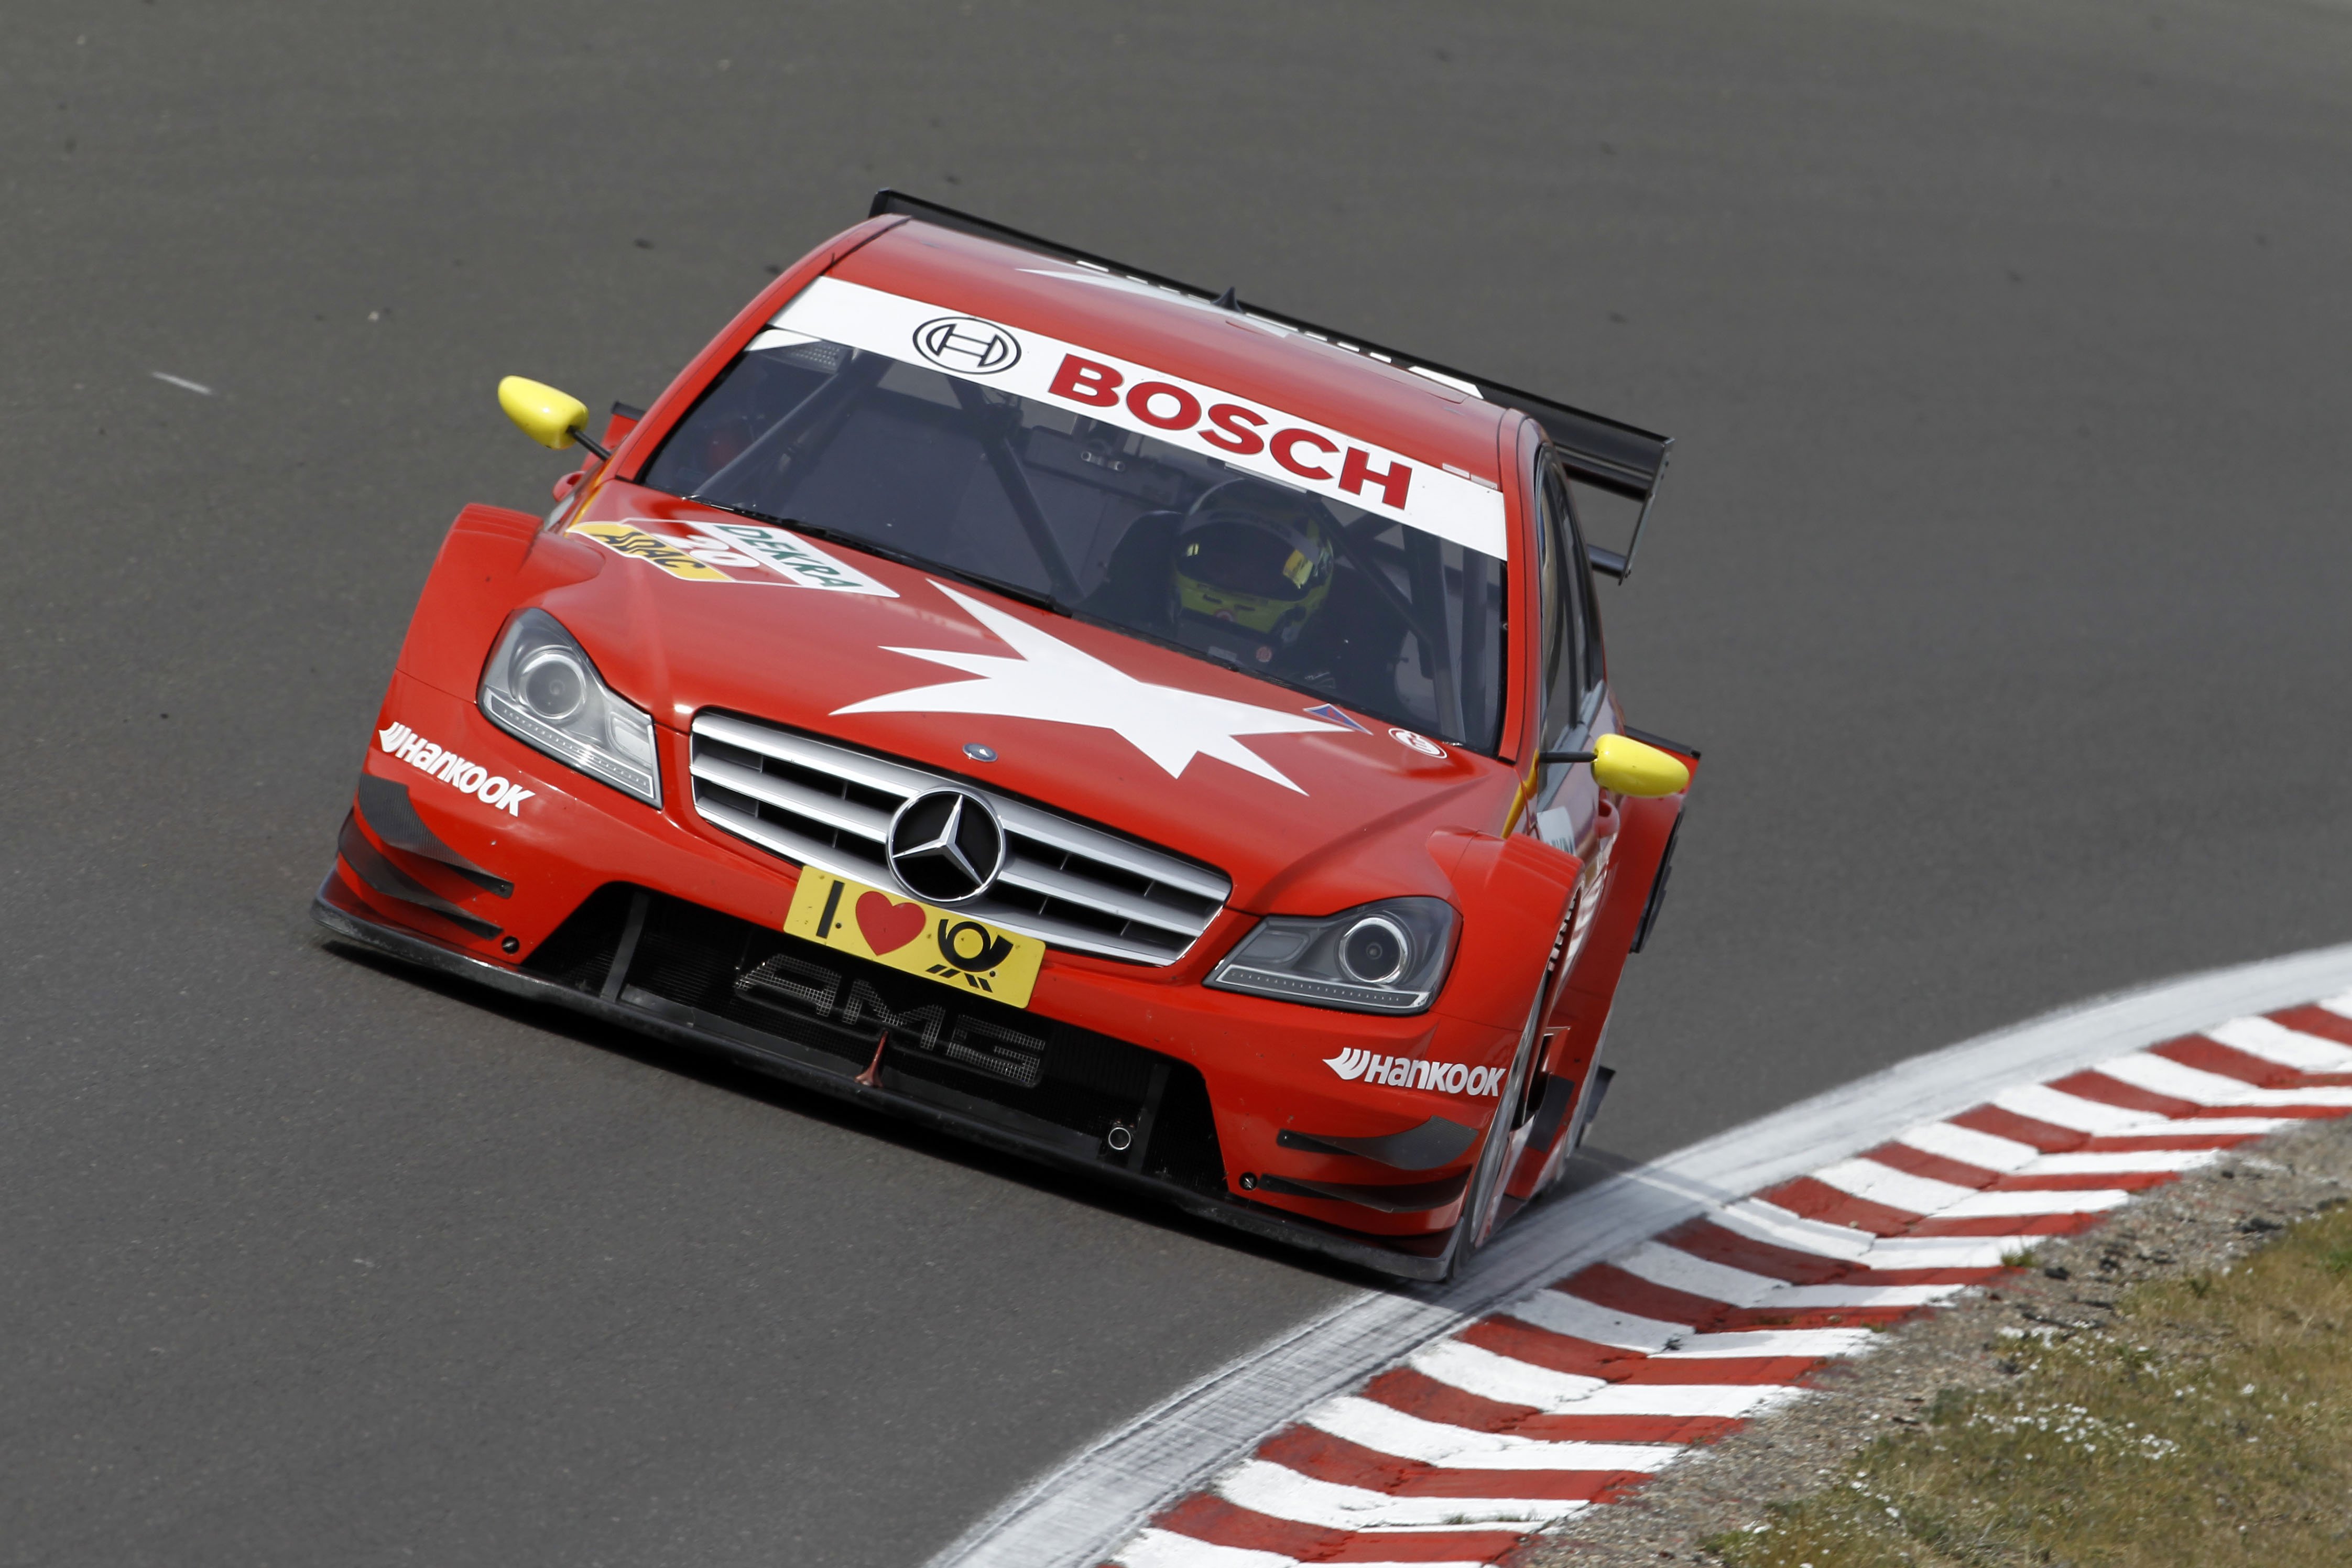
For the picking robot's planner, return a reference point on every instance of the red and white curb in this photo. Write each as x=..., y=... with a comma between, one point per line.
x=1489, y=1419
x=1577, y=1392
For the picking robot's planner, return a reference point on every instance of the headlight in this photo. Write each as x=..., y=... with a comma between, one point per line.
x=1389, y=957
x=541, y=689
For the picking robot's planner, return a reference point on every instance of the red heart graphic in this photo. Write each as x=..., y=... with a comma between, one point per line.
x=886, y=926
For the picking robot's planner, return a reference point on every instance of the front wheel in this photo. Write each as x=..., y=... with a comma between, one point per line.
x=1484, y=1197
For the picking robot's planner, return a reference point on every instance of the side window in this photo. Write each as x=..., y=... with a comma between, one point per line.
x=1567, y=599
x=1592, y=663
x=1557, y=651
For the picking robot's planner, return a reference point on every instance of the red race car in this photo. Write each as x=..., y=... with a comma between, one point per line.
x=1087, y=714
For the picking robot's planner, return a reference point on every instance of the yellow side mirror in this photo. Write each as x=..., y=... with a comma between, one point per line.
x=550, y=417
x=1624, y=764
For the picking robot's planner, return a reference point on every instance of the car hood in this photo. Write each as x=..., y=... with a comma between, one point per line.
x=1306, y=808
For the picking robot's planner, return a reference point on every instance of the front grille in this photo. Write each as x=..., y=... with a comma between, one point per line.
x=1050, y=1084
x=1073, y=885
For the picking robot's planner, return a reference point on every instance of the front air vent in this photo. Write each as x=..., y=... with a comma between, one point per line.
x=1066, y=881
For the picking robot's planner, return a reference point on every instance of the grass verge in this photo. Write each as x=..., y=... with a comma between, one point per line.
x=2208, y=1422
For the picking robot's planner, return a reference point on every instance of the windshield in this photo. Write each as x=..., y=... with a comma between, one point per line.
x=1106, y=522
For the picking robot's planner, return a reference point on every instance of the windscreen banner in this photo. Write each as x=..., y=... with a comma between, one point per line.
x=1241, y=432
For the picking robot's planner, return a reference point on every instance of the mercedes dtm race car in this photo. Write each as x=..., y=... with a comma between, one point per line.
x=1066, y=708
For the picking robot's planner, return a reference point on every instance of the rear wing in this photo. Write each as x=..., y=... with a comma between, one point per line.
x=1596, y=451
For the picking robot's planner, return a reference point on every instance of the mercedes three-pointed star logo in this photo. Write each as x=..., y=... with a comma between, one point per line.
x=946, y=845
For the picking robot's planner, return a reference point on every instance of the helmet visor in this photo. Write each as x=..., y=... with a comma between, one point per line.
x=1246, y=558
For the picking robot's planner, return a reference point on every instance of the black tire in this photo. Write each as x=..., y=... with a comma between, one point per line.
x=1487, y=1181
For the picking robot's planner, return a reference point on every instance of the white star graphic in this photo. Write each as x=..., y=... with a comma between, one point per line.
x=1052, y=680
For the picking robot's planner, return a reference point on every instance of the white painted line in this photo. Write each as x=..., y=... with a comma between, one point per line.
x=1580, y=1318
x=2211, y=1126
x=1165, y=1549
x=1969, y=1147
x=1086, y=1508
x=1513, y=1382
x=181, y=380
x=2277, y=1043
x=2122, y=1161
x=1821, y=1298
x=1387, y=1431
x=1678, y=1271
x=2009, y=1206
x=1684, y=1400
x=1285, y=1494
x=2161, y=1075
x=1504, y=1378
x=1563, y=1314
x=1814, y=1345
x=2073, y=1112
x=1771, y=1222
x=1877, y=1184
x=1943, y=1251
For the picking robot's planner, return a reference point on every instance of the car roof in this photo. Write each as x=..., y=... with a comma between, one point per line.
x=1253, y=356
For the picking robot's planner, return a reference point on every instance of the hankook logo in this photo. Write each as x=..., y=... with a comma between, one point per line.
x=1404, y=1072
x=967, y=345
x=469, y=778
x=946, y=845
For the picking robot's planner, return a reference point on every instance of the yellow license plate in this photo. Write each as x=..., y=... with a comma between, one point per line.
x=909, y=935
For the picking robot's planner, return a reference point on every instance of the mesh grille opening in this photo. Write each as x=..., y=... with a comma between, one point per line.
x=986, y=1054
x=579, y=953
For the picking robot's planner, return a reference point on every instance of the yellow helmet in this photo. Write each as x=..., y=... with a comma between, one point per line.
x=1255, y=557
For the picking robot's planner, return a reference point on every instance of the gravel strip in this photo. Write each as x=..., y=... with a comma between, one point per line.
x=2199, y=1225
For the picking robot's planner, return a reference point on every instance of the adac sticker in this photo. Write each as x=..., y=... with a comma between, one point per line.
x=712, y=551
x=666, y=554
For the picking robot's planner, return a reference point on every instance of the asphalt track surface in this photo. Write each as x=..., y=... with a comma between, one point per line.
x=2002, y=574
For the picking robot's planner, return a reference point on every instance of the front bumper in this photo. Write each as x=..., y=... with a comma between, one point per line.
x=600, y=986
x=438, y=874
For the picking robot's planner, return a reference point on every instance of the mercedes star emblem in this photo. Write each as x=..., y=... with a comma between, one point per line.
x=946, y=845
